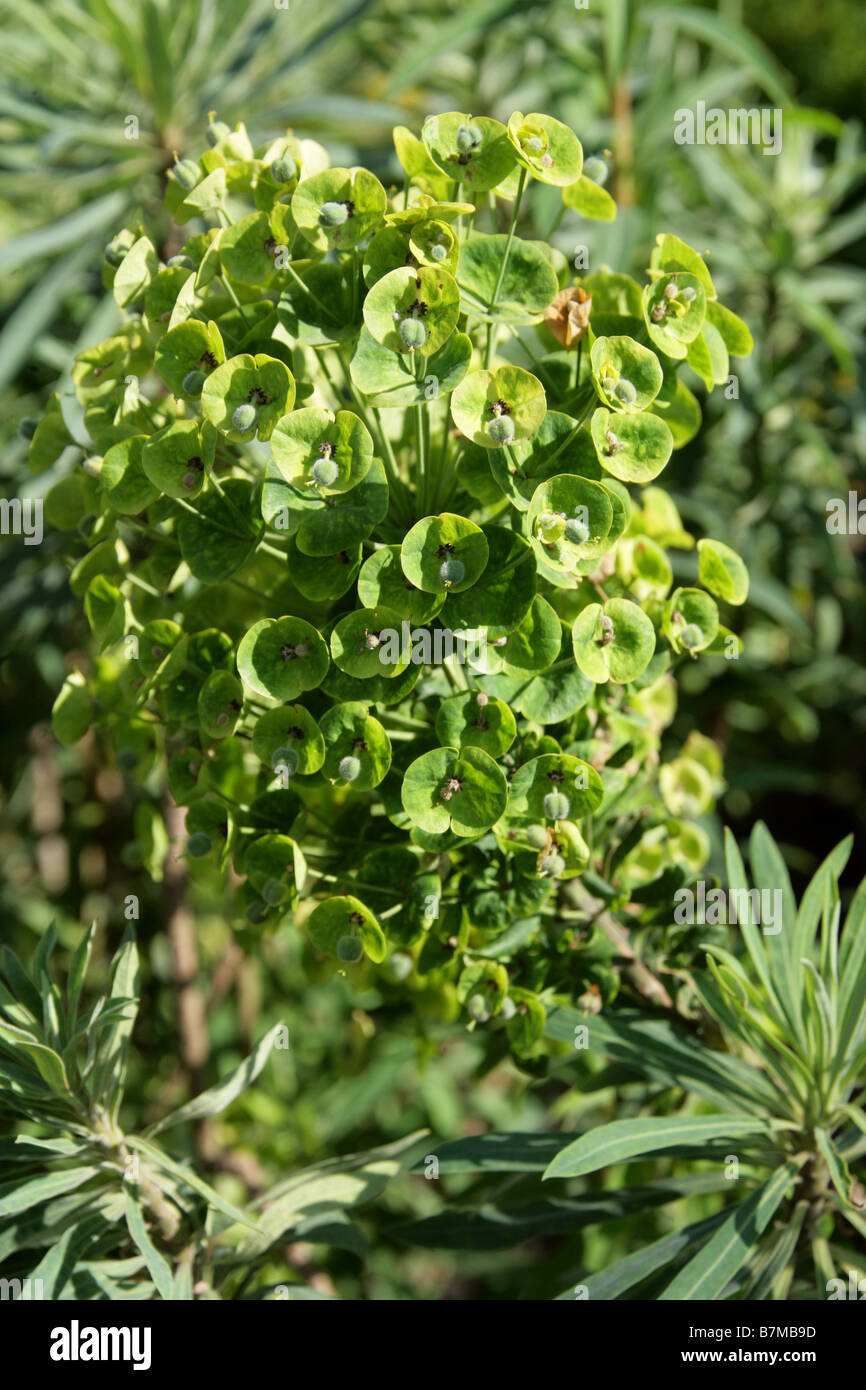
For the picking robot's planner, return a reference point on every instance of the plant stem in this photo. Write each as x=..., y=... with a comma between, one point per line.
x=491, y=332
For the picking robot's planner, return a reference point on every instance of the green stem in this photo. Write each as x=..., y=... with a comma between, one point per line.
x=233, y=297
x=491, y=333
x=421, y=489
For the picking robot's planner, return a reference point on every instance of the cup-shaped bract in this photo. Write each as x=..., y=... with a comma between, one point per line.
x=260, y=381
x=483, y=398
x=615, y=641
x=631, y=445
x=357, y=748
x=445, y=553
x=421, y=299
x=281, y=657
x=549, y=149
x=627, y=376
x=462, y=790
x=316, y=449
x=338, y=208
x=471, y=150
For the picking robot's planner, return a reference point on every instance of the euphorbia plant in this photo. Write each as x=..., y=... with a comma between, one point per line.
x=373, y=553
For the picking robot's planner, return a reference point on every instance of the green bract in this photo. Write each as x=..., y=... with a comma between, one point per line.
x=423, y=300
x=474, y=151
x=315, y=449
x=547, y=147
x=509, y=394
x=374, y=553
x=262, y=383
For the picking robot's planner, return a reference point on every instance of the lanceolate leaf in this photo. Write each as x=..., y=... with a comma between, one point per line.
x=623, y=1139
x=706, y=1276
x=216, y=1098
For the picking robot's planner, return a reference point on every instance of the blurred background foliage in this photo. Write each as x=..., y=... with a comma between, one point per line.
x=786, y=239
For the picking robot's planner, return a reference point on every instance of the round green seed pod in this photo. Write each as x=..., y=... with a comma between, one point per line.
x=216, y=131
x=333, y=214
x=438, y=252
x=468, y=138
x=287, y=758
x=552, y=865
x=400, y=966
x=413, y=332
x=576, y=531
x=349, y=950
x=451, y=571
x=274, y=892
x=537, y=836
x=501, y=429
x=595, y=169
x=256, y=913
x=556, y=806
x=244, y=417
x=283, y=170
x=198, y=845
x=477, y=1008
x=508, y=1008
x=193, y=382
x=350, y=768
x=324, y=472
x=691, y=636
x=114, y=252
x=187, y=173
x=625, y=391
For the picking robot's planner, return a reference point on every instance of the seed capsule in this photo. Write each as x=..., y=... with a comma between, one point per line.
x=537, y=836
x=400, y=965
x=508, y=1009
x=438, y=252
x=256, y=913
x=691, y=636
x=187, y=173
x=476, y=1008
x=413, y=332
x=481, y=699
x=556, y=806
x=115, y=252
x=501, y=429
x=283, y=170
x=244, y=417
x=625, y=391
x=670, y=290
x=324, y=472
x=349, y=950
x=468, y=138
x=576, y=531
x=285, y=758
x=216, y=131
x=552, y=865
x=274, y=892
x=333, y=214
x=688, y=293
x=451, y=571
x=595, y=169
x=193, y=382
x=350, y=768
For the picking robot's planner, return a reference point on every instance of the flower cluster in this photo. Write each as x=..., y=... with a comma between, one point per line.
x=344, y=408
